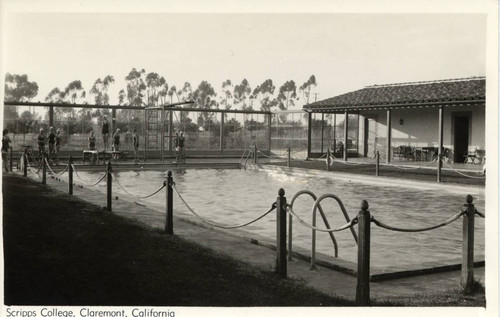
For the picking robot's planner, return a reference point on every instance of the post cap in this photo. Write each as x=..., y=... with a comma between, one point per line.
x=364, y=205
x=469, y=199
x=169, y=173
x=281, y=192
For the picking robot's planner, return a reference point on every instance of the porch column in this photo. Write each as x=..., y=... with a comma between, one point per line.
x=346, y=120
x=440, y=146
x=309, y=123
x=389, y=130
x=221, y=132
x=322, y=128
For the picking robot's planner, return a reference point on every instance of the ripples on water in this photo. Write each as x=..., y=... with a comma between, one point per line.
x=238, y=196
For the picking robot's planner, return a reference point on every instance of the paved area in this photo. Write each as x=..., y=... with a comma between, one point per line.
x=324, y=279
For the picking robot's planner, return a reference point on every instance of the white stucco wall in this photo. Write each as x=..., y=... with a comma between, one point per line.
x=420, y=126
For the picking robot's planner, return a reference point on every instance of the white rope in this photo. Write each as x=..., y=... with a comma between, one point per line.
x=347, y=225
x=136, y=196
x=216, y=224
x=465, y=175
x=84, y=182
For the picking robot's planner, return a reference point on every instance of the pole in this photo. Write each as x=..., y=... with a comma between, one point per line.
x=346, y=132
x=10, y=160
x=70, y=175
x=25, y=164
x=44, y=168
x=289, y=157
x=281, y=264
x=328, y=159
x=377, y=166
x=389, y=135
x=363, y=286
x=440, y=149
x=468, y=244
x=109, y=181
x=256, y=158
x=221, y=136
x=169, y=221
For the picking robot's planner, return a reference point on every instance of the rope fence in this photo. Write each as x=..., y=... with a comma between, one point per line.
x=136, y=196
x=85, y=182
x=303, y=222
x=442, y=224
x=217, y=225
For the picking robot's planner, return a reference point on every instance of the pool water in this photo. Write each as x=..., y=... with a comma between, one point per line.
x=231, y=197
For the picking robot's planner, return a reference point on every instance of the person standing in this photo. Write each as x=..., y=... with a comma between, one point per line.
x=92, y=147
x=105, y=132
x=41, y=145
x=181, y=146
x=5, y=149
x=58, y=143
x=135, y=140
x=52, y=143
x=116, y=143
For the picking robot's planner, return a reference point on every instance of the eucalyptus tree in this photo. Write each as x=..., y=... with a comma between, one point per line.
x=227, y=94
x=135, y=87
x=73, y=91
x=18, y=88
x=286, y=95
x=171, y=92
x=204, y=98
x=264, y=93
x=306, y=88
x=154, y=84
x=100, y=90
x=55, y=96
x=241, y=94
x=186, y=93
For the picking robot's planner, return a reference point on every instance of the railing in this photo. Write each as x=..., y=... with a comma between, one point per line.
x=363, y=220
x=330, y=159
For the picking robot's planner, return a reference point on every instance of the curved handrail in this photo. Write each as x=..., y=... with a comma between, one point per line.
x=342, y=207
x=317, y=206
x=290, y=225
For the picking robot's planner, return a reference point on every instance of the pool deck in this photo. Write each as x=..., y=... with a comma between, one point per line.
x=324, y=279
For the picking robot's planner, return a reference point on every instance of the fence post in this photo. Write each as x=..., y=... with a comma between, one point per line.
x=281, y=264
x=10, y=160
x=377, y=166
x=328, y=159
x=256, y=157
x=44, y=168
x=169, y=221
x=109, y=187
x=363, y=286
x=468, y=244
x=70, y=175
x=289, y=157
x=25, y=164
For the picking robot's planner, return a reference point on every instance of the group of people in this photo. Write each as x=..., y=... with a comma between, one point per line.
x=54, y=141
x=179, y=148
x=116, y=140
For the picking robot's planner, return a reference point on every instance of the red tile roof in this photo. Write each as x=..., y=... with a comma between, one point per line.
x=445, y=92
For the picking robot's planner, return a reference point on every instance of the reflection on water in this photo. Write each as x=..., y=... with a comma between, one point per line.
x=233, y=197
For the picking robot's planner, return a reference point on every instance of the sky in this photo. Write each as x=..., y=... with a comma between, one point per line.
x=345, y=51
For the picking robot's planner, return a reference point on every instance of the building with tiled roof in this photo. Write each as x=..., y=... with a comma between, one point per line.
x=387, y=117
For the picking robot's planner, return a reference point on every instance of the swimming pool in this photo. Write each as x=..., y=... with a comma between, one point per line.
x=232, y=197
